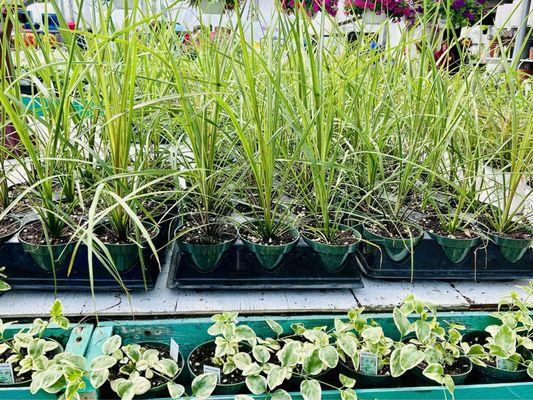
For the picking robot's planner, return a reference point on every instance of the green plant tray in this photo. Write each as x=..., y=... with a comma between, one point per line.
x=74, y=340
x=191, y=332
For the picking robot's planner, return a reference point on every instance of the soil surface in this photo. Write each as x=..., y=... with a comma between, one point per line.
x=108, y=236
x=341, y=238
x=203, y=356
x=522, y=234
x=164, y=352
x=431, y=224
x=18, y=378
x=33, y=234
x=286, y=237
x=392, y=230
x=207, y=235
x=8, y=226
x=460, y=366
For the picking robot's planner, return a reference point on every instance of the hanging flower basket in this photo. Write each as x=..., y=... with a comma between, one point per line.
x=311, y=7
x=376, y=11
x=214, y=6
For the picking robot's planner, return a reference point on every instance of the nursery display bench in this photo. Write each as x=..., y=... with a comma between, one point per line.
x=189, y=333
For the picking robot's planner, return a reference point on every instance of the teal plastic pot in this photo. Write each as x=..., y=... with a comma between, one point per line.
x=456, y=250
x=512, y=249
x=18, y=226
x=48, y=257
x=333, y=256
x=397, y=249
x=126, y=256
x=221, y=389
x=270, y=257
x=369, y=381
x=206, y=257
x=459, y=379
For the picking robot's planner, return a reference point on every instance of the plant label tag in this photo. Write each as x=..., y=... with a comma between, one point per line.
x=208, y=369
x=504, y=364
x=174, y=350
x=368, y=363
x=7, y=377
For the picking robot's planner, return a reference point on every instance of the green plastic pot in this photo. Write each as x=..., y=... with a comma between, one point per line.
x=206, y=257
x=333, y=256
x=221, y=389
x=459, y=379
x=512, y=249
x=8, y=236
x=270, y=257
x=126, y=256
x=397, y=249
x=369, y=381
x=456, y=250
x=48, y=257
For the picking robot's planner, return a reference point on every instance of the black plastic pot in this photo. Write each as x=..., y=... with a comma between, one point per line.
x=456, y=250
x=206, y=257
x=126, y=256
x=421, y=379
x=48, y=257
x=369, y=381
x=333, y=256
x=269, y=256
x=491, y=374
x=222, y=389
x=9, y=235
x=512, y=249
x=398, y=249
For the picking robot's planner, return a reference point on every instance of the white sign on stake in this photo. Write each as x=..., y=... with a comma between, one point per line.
x=208, y=369
x=174, y=350
x=6, y=374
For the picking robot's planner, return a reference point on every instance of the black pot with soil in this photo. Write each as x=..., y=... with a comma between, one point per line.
x=203, y=355
x=9, y=226
x=459, y=371
x=383, y=379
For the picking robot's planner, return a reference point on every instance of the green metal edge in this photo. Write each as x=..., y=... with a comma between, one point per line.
x=79, y=337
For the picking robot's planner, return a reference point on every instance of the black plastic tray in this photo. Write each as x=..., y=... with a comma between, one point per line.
x=484, y=263
x=23, y=273
x=239, y=269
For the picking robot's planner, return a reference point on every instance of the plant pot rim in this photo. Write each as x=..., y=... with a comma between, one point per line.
x=411, y=225
x=145, y=223
x=54, y=246
x=17, y=221
x=337, y=246
x=498, y=235
x=199, y=246
x=194, y=375
x=463, y=240
x=389, y=375
x=291, y=228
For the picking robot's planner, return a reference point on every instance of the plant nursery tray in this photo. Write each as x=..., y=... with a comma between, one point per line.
x=239, y=269
x=23, y=273
x=191, y=332
x=74, y=340
x=429, y=262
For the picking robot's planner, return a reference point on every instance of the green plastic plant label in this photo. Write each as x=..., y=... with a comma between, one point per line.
x=6, y=374
x=505, y=364
x=208, y=369
x=174, y=350
x=368, y=363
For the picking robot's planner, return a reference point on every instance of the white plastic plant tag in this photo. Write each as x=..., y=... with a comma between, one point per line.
x=504, y=364
x=174, y=350
x=368, y=363
x=7, y=377
x=208, y=369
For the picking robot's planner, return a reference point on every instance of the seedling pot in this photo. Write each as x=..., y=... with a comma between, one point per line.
x=333, y=256
x=8, y=236
x=221, y=388
x=206, y=257
x=126, y=256
x=48, y=257
x=456, y=250
x=271, y=256
x=458, y=379
x=397, y=249
x=369, y=381
x=512, y=249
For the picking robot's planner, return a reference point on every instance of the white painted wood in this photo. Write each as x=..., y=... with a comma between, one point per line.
x=487, y=294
